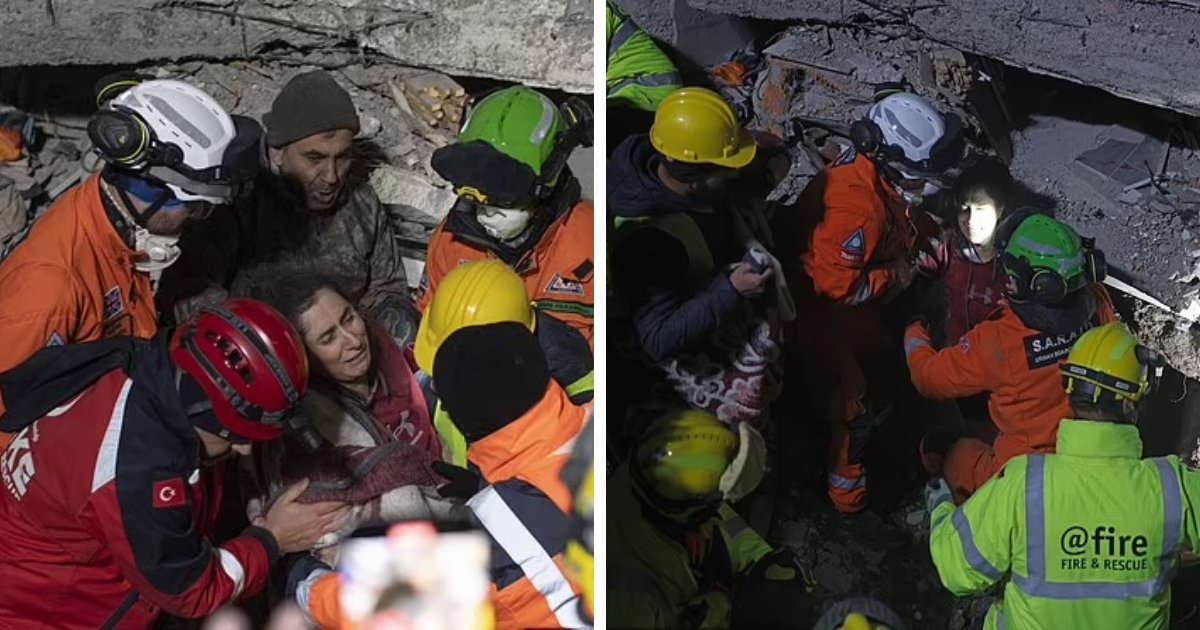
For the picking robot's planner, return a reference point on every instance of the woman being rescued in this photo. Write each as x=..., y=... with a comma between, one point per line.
x=364, y=432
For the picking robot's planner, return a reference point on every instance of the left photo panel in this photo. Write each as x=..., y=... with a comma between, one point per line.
x=296, y=314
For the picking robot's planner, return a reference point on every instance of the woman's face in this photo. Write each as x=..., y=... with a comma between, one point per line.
x=336, y=337
x=977, y=220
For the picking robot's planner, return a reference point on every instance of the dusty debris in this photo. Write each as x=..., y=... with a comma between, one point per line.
x=543, y=43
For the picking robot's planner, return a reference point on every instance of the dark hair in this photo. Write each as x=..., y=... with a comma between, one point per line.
x=1104, y=411
x=289, y=291
x=987, y=178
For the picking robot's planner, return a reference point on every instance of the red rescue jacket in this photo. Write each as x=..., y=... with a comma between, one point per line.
x=104, y=511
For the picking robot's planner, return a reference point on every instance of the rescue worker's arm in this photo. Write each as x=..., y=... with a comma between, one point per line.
x=144, y=518
x=957, y=371
x=669, y=322
x=636, y=69
x=568, y=356
x=971, y=545
x=1189, y=480
x=315, y=588
x=38, y=307
x=842, y=253
x=748, y=546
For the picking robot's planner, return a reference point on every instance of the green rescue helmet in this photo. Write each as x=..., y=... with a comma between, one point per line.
x=1045, y=258
x=513, y=147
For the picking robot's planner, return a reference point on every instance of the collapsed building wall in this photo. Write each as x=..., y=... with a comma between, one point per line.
x=1144, y=50
x=543, y=43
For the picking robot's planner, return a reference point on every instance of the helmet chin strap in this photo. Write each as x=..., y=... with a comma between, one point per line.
x=161, y=251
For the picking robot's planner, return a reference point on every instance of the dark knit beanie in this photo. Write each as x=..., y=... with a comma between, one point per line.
x=309, y=104
x=488, y=376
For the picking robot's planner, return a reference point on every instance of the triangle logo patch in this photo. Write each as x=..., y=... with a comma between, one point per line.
x=855, y=247
x=558, y=284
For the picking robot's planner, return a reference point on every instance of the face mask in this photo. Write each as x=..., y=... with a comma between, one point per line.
x=161, y=250
x=981, y=224
x=503, y=223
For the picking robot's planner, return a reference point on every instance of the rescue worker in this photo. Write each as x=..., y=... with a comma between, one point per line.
x=308, y=212
x=520, y=426
x=678, y=555
x=1053, y=297
x=519, y=202
x=858, y=246
x=488, y=292
x=88, y=268
x=114, y=479
x=1091, y=535
x=686, y=289
x=638, y=75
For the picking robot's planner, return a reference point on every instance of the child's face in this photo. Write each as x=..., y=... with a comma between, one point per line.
x=977, y=220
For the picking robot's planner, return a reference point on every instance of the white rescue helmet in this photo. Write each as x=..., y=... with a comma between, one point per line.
x=185, y=116
x=910, y=124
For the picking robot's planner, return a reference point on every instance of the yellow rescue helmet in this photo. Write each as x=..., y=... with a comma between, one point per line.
x=682, y=457
x=695, y=125
x=1109, y=359
x=473, y=294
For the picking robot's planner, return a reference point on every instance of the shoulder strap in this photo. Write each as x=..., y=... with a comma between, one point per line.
x=57, y=374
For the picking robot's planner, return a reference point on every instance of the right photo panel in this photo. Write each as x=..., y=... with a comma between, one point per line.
x=900, y=314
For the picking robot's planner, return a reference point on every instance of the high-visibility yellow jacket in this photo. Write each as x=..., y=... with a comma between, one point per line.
x=1089, y=537
x=651, y=579
x=638, y=73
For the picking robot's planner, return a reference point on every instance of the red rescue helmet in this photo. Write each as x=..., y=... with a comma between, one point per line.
x=249, y=361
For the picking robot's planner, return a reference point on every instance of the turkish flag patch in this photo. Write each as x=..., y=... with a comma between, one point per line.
x=169, y=493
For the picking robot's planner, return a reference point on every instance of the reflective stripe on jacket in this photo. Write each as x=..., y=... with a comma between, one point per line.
x=1090, y=535
x=525, y=510
x=637, y=72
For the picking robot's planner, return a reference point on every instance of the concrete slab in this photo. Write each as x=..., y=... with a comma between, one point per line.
x=1143, y=51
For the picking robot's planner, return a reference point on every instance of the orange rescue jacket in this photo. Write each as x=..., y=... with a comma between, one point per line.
x=852, y=226
x=72, y=280
x=558, y=272
x=1016, y=365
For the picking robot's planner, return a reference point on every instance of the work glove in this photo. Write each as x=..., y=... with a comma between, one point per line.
x=775, y=594
x=782, y=565
x=464, y=482
x=936, y=493
x=710, y=610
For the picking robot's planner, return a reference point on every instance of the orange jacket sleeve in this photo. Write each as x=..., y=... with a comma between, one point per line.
x=317, y=596
x=37, y=307
x=955, y=372
x=843, y=245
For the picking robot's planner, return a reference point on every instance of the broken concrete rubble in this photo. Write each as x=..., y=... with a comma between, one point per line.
x=1143, y=51
x=545, y=43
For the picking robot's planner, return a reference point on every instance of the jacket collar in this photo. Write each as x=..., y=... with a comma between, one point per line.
x=1087, y=438
x=96, y=223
